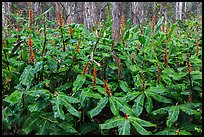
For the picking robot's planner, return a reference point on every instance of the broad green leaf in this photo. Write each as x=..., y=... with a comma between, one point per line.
x=123, y=106
x=43, y=128
x=37, y=93
x=139, y=128
x=184, y=132
x=92, y=94
x=100, y=105
x=159, y=97
x=70, y=108
x=138, y=105
x=57, y=107
x=52, y=63
x=68, y=98
x=160, y=111
x=148, y=104
x=29, y=124
x=131, y=95
x=124, y=128
x=167, y=131
x=166, y=79
x=37, y=67
x=101, y=90
x=113, y=106
x=111, y=123
x=80, y=79
x=160, y=41
x=142, y=122
x=87, y=128
x=27, y=76
x=189, y=111
x=178, y=76
x=65, y=101
x=157, y=90
x=124, y=86
x=14, y=97
x=172, y=29
x=159, y=23
x=64, y=87
x=173, y=114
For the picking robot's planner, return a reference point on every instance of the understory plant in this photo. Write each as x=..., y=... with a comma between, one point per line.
x=69, y=80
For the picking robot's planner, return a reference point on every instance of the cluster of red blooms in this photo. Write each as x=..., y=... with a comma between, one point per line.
x=165, y=57
x=114, y=36
x=77, y=47
x=32, y=56
x=119, y=64
x=70, y=30
x=59, y=15
x=85, y=68
x=94, y=74
x=107, y=88
x=188, y=64
x=153, y=22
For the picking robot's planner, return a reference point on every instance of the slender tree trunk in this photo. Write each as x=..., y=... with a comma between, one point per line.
x=116, y=15
x=177, y=10
x=180, y=10
x=90, y=9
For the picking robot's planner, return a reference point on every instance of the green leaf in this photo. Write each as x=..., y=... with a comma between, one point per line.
x=87, y=128
x=37, y=67
x=92, y=94
x=172, y=29
x=184, y=132
x=173, y=114
x=167, y=131
x=14, y=97
x=138, y=105
x=111, y=123
x=113, y=106
x=189, y=111
x=159, y=23
x=80, y=79
x=178, y=76
x=123, y=106
x=29, y=124
x=124, y=86
x=159, y=97
x=124, y=128
x=139, y=128
x=142, y=122
x=64, y=87
x=52, y=64
x=57, y=108
x=160, y=40
x=65, y=99
x=27, y=76
x=160, y=111
x=100, y=105
x=131, y=95
x=148, y=104
x=38, y=92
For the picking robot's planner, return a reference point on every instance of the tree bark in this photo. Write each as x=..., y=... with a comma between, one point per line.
x=116, y=15
x=89, y=12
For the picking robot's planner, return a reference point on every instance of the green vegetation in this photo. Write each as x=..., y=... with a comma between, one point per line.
x=150, y=82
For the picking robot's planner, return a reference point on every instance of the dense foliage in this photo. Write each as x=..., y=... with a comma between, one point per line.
x=68, y=80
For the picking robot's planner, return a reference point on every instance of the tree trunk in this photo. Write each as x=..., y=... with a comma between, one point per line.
x=116, y=15
x=177, y=10
x=89, y=12
x=180, y=10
